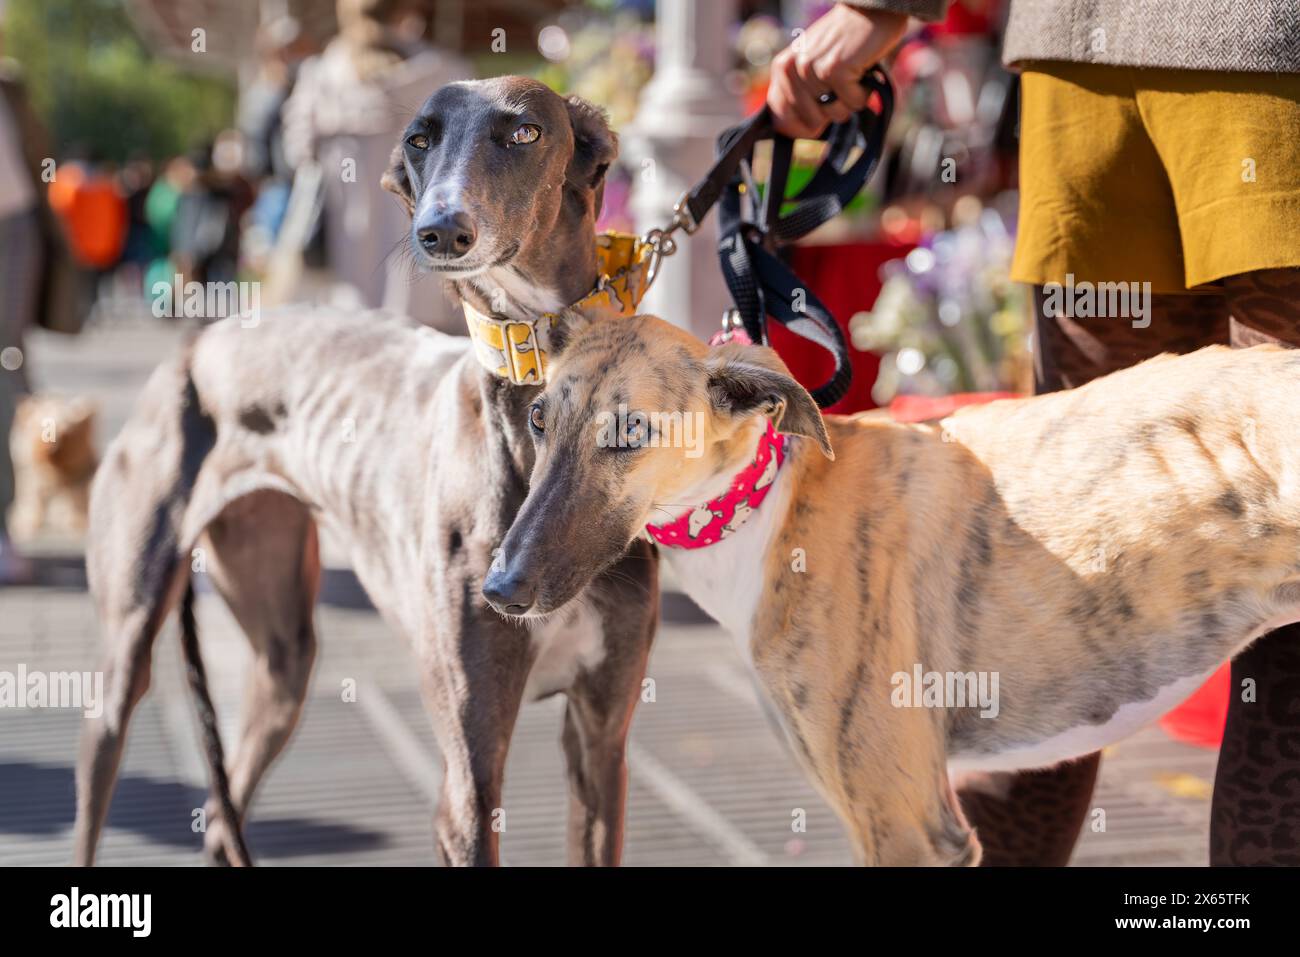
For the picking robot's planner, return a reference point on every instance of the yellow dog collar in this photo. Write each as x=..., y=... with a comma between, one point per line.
x=518, y=349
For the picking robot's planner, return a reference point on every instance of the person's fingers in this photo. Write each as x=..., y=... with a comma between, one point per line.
x=836, y=111
x=794, y=105
x=780, y=102
x=778, y=96
x=812, y=115
x=814, y=71
x=846, y=82
x=808, y=88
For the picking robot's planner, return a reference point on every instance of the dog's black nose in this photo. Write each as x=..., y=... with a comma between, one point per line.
x=509, y=592
x=447, y=234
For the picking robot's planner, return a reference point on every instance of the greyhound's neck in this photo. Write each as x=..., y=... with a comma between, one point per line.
x=732, y=454
x=513, y=293
x=728, y=578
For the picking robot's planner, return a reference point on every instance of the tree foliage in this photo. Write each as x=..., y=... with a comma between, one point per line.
x=101, y=92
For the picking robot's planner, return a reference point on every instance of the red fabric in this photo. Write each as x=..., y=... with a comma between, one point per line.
x=846, y=278
x=94, y=215
x=924, y=408
x=92, y=212
x=1199, y=720
x=966, y=17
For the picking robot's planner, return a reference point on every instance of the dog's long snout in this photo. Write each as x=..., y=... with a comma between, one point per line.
x=446, y=233
x=508, y=590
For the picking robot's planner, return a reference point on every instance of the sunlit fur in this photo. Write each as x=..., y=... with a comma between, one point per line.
x=1100, y=550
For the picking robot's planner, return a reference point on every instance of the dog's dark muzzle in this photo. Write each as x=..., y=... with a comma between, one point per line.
x=446, y=234
x=509, y=591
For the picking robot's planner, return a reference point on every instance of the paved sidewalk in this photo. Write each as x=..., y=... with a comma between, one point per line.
x=710, y=783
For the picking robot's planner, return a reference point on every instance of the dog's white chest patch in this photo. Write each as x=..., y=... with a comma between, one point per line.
x=569, y=642
x=726, y=578
x=504, y=288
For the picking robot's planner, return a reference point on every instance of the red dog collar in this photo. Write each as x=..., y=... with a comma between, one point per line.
x=718, y=518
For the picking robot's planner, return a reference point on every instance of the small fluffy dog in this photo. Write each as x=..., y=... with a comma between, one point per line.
x=53, y=446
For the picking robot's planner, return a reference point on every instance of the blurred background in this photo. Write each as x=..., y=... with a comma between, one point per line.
x=170, y=141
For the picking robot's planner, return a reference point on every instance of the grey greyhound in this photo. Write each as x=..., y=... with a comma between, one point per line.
x=399, y=438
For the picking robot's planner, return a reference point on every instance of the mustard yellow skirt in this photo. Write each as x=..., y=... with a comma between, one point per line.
x=1173, y=177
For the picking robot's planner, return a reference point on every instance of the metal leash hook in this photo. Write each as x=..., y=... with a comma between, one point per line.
x=733, y=328
x=661, y=242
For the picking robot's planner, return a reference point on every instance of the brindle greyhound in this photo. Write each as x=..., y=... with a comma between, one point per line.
x=881, y=595
x=396, y=436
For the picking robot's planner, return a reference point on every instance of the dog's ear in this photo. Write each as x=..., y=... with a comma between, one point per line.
x=746, y=380
x=397, y=182
x=595, y=146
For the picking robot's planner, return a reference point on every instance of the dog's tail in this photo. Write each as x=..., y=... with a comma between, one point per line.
x=212, y=749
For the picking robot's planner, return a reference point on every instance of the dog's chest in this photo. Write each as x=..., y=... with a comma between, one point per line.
x=565, y=645
x=728, y=579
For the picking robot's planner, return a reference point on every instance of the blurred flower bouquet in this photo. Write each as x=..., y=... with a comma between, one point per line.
x=947, y=318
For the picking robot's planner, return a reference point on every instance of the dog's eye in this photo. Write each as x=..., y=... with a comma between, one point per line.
x=525, y=134
x=418, y=140
x=637, y=435
x=536, y=419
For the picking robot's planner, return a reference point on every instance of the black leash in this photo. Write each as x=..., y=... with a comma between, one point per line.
x=750, y=233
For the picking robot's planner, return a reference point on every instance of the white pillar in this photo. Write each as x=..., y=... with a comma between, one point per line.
x=671, y=143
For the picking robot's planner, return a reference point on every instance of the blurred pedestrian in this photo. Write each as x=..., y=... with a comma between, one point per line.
x=281, y=46
x=93, y=210
x=209, y=207
x=134, y=182
x=348, y=107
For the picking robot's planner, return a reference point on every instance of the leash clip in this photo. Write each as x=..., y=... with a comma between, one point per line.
x=660, y=240
x=682, y=218
x=733, y=329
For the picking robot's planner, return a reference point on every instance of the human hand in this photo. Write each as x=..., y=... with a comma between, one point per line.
x=831, y=55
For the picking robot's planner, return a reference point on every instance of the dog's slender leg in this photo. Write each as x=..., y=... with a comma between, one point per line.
x=595, y=744
x=1029, y=818
x=130, y=632
x=913, y=821
x=899, y=811
x=473, y=690
x=599, y=712
x=910, y=819
x=133, y=563
x=28, y=512
x=264, y=560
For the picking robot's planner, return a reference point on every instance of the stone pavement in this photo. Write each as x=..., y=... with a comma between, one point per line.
x=710, y=783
